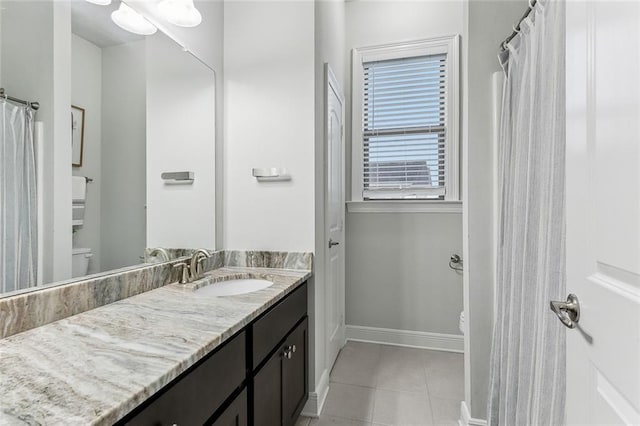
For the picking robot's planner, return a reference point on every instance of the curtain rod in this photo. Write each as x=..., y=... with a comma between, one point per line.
x=34, y=105
x=516, y=28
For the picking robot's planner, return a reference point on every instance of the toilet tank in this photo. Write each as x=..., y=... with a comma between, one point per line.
x=80, y=261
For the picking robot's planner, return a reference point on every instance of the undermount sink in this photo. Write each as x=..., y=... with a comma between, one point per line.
x=234, y=287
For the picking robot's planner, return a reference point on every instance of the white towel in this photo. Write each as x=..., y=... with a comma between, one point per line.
x=78, y=189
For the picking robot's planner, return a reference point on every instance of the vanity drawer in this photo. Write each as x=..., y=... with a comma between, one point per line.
x=200, y=391
x=269, y=329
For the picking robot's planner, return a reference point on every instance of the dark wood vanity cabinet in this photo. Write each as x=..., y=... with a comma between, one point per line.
x=195, y=396
x=236, y=414
x=259, y=377
x=280, y=365
x=280, y=387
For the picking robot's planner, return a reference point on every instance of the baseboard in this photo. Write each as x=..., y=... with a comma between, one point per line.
x=466, y=419
x=415, y=339
x=316, y=400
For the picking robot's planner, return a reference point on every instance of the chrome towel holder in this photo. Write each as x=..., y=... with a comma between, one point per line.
x=455, y=263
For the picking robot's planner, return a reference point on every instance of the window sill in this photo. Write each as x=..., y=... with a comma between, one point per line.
x=398, y=206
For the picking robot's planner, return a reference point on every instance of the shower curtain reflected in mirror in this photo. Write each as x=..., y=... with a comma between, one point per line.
x=18, y=203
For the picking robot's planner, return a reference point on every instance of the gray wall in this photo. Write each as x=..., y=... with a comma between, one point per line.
x=396, y=276
x=397, y=271
x=123, y=154
x=489, y=22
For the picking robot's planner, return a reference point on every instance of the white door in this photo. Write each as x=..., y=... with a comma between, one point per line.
x=603, y=211
x=334, y=216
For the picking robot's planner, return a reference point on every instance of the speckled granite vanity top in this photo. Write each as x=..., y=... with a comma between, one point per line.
x=95, y=367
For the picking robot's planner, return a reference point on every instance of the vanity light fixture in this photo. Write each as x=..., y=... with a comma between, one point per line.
x=128, y=19
x=100, y=2
x=180, y=12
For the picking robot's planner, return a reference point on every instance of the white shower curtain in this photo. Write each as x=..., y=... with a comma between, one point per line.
x=18, y=209
x=527, y=373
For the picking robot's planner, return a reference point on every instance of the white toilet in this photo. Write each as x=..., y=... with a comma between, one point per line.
x=80, y=261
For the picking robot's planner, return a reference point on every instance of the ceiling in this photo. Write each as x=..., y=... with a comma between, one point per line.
x=93, y=23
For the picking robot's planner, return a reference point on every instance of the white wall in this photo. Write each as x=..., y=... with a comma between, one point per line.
x=397, y=263
x=488, y=23
x=269, y=122
x=86, y=92
x=36, y=66
x=123, y=178
x=180, y=137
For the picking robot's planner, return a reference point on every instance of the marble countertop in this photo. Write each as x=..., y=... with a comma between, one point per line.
x=95, y=367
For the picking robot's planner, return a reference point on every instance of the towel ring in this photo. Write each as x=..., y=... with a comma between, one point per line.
x=455, y=263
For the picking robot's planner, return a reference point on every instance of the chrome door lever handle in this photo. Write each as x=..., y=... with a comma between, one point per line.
x=568, y=312
x=333, y=243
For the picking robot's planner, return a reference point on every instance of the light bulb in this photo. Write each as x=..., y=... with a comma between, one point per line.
x=128, y=19
x=100, y=2
x=180, y=12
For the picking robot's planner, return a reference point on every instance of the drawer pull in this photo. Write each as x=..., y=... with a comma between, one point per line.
x=293, y=349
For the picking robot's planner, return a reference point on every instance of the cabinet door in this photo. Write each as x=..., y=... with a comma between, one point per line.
x=235, y=414
x=267, y=392
x=295, y=386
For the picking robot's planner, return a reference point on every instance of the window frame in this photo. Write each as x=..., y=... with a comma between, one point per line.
x=448, y=45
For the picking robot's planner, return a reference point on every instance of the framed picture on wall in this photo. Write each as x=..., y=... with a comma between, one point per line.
x=77, y=135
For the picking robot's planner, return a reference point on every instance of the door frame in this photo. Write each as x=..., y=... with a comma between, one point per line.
x=331, y=83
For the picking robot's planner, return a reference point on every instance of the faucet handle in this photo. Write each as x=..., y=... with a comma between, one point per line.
x=199, y=265
x=184, y=276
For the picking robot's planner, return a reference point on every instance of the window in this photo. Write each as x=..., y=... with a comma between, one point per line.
x=405, y=121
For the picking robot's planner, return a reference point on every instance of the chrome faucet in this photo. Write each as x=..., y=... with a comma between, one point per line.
x=159, y=252
x=195, y=265
x=192, y=270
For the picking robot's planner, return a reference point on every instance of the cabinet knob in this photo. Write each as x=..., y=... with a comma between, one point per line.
x=287, y=352
x=293, y=348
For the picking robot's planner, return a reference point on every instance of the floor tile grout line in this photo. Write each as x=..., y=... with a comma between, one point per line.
x=352, y=384
x=373, y=405
x=426, y=380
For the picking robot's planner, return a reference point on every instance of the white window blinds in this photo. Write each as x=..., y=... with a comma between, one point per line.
x=404, y=128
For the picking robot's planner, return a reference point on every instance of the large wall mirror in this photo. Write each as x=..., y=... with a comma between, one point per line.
x=83, y=194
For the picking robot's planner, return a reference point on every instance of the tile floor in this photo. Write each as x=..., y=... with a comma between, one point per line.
x=390, y=385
